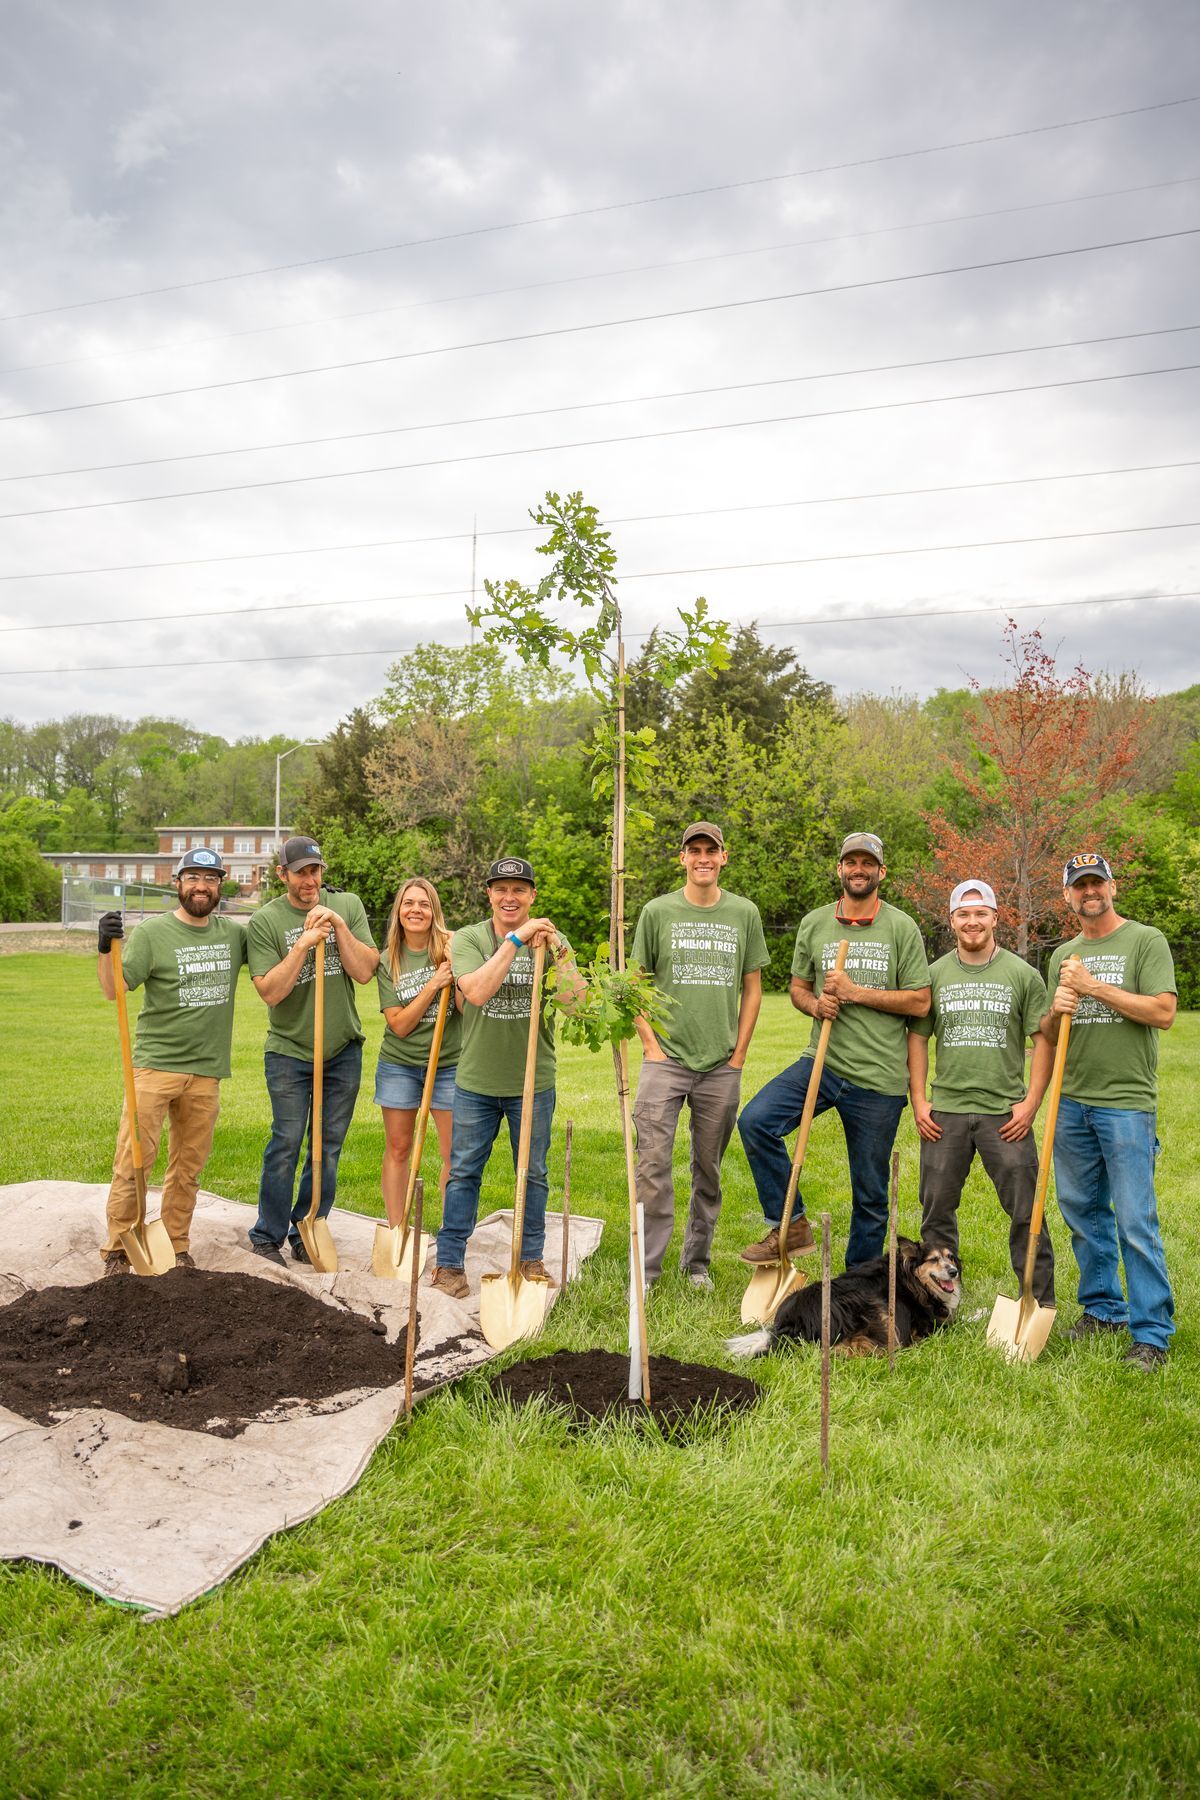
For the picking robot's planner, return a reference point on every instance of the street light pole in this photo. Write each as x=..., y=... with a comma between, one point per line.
x=308, y=744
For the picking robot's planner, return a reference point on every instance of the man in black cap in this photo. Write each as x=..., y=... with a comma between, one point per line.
x=188, y=961
x=493, y=967
x=282, y=938
x=706, y=951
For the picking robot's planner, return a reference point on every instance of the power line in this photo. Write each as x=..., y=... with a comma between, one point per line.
x=635, y=437
x=530, y=287
x=226, y=662
x=540, y=412
x=558, y=331
x=698, y=512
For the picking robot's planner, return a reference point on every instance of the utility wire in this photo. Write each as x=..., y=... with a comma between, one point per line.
x=542, y=412
x=559, y=331
x=635, y=437
x=533, y=287
x=698, y=512
x=1005, y=606
x=588, y=212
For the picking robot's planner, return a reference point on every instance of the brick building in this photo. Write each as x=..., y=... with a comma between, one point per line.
x=248, y=852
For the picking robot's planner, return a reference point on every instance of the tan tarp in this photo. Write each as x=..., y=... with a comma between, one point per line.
x=152, y=1516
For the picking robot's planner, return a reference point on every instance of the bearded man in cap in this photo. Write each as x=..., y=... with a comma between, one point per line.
x=282, y=937
x=884, y=984
x=493, y=969
x=188, y=962
x=985, y=1003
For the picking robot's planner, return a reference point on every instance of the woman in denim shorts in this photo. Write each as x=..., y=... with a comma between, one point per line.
x=413, y=970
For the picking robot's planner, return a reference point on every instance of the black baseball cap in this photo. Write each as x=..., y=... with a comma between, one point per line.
x=204, y=862
x=1087, y=862
x=300, y=853
x=511, y=868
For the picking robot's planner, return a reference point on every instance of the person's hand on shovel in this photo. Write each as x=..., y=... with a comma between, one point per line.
x=109, y=927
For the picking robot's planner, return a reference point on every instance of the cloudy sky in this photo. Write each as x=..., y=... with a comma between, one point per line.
x=471, y=198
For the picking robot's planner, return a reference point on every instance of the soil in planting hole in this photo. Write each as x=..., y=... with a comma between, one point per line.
x=594, y=1384
x=192, y=1348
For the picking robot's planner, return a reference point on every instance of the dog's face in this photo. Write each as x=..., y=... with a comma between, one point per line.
x=939, y=1273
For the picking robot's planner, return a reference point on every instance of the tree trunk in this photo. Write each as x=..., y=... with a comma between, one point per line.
x=616, y=944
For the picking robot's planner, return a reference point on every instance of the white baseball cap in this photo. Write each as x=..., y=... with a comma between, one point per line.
x=986, y=896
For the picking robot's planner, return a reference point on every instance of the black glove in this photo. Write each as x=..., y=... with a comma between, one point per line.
x=112, y=925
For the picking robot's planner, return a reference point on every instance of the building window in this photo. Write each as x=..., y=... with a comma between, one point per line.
x=112, y=871
x=179, y=845
x=243, y=846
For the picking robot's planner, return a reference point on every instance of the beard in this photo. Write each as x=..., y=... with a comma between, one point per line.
x=864, y=886
x=200, y=902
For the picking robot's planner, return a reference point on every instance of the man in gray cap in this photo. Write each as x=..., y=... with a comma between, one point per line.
x=188, y=961
x=884, y=984
x=283, y=936
x=706, y=950
x=985, y=1004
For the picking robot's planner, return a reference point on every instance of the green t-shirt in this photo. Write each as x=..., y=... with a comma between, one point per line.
x=273, y=930
x=981, y=1015
x=867, y=1047
x=190, y=976
x=698, y=956
x=413, y=1051
x=1110, y=1060
x=495, y=1036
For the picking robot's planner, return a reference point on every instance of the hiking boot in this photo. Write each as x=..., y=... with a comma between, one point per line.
x=452, y=1282
x=800, y=1240
x=183, y=1260
x=700, y=1279
x=1088, y=1325
x=116, y=1263
x=1144, y=1357
x=269, y=1253
x=300, y=1254
x=535, y=1271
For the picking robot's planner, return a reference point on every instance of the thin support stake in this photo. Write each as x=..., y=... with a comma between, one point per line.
x=893, y=1204
x=410, y=1333
x=566, y=1206
x=826, y=1227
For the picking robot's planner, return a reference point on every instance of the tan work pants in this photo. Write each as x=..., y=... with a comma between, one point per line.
x=713, y=1101
x=189, y=1104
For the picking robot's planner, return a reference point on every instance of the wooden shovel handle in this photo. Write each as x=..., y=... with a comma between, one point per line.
x=318, y=1100
x=526, y=1132
x=131, y=1112
x=1053, y=1096
x=806, y=1117
x=419, y=1129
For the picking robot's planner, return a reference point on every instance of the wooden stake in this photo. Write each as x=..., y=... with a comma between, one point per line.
x=410, y=1339
x=616, y=946
x=566, y=1206
x=893, y=1204
x=826, y=1227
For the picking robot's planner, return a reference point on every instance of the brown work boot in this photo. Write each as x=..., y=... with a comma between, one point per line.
x=116, y=1263
x=183, y=1260
x=800, y=1240
x=535, y=1271
x=452, y=1282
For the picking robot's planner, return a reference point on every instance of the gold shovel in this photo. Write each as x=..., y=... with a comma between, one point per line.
x=315, y=1234
x=775, y=1281
x=1020, y=1327
x=392, y=1252
x=511, y=1306
x=147, y=1244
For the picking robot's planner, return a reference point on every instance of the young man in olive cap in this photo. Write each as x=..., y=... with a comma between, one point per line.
x=283, y=936
x=493, y=968
x=884, y=984
x=1118, y=996
x=985, y=1003
x=188, y=962
x=706, y=950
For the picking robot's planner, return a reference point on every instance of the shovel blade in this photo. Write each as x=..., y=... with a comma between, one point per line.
x=317, y=1239
x=149, y=1248
x=769, y=1288
x=392, y=1253
x=1020, y=1331
x=510, y=1309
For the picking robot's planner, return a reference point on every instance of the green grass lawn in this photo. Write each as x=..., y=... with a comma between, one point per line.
x=995, y=1594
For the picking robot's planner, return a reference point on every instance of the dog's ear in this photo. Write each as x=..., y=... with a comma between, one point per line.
x=907, y=1250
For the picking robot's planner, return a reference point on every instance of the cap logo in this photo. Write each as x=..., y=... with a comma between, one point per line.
x=205, y=857
x=509, y=868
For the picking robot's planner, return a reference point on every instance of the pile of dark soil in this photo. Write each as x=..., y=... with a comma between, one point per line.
x=196, y=1349
x=594, y=1384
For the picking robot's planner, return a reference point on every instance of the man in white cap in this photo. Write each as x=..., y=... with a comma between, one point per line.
x=986, y=1003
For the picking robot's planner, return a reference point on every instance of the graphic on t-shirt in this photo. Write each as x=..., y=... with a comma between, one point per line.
x=704, y=953
x=205, y=972
x=512, y=998
x=866, y=959
x=1091, y=1010
x=974, y=1015
x=333, y=962
x=409, y=983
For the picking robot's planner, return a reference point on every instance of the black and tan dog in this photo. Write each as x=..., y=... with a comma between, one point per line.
x=928, y=1290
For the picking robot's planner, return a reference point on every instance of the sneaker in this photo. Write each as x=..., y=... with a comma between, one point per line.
x=269, y=1252
x=701, y=1279
x=300, y=1254
x=1145, y=1357
x=1088, y=1325
x=116, y=1263
x=184, y=1261
x=800, y=1240
x=535, y=1271
x=452, y=1282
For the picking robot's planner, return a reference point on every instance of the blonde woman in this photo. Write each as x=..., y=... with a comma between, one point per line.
x=413, y=971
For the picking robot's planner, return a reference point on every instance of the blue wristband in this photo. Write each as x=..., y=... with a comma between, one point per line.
x=512, y=938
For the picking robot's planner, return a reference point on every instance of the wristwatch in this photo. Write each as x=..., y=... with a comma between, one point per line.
x=514, y=939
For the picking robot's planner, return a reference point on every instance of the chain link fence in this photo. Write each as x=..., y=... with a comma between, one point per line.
x=85, y=897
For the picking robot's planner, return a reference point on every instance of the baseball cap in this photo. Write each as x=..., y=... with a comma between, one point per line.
x=511, y=868
x=704, y=828
x=959, y=896
x=1087, y=862
x=300, y=853
x=205, y=862
x=862, y=840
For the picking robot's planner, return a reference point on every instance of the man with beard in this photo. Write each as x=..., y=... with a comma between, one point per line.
x=1119, y=995
x=884, y=984
x=188, y=961
x=985, y=1003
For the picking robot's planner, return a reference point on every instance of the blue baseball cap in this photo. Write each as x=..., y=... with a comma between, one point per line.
x=204, y=862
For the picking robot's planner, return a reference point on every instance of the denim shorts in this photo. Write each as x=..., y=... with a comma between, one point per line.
x=400, y=1086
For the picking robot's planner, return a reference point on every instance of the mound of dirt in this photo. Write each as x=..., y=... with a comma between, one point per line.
x=594, y=1384
x=195, y=1349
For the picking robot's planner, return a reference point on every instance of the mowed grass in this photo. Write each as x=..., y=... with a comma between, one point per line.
x=994, y=1594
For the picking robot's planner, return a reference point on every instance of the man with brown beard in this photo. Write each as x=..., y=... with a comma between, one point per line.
x=188, y=962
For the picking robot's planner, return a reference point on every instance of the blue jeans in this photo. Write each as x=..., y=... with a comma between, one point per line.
x=1104, y=1175
x=477, y=1122
x=870, y=1122
x=289, y=1084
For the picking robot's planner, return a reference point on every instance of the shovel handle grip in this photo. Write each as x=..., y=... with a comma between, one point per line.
x=1053, y=1096
x=806, y=1117
x=318, y=1091
x=131, y=1112
x=422, y=1123
x=525, y=1137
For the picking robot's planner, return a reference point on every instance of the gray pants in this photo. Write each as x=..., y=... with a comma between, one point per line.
x=713, y=1098
x=1013, y=1171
